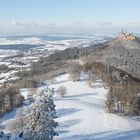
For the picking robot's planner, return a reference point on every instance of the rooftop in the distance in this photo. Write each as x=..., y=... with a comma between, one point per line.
x=125, y=36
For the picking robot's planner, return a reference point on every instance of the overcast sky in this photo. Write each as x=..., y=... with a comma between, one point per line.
x=24, y=17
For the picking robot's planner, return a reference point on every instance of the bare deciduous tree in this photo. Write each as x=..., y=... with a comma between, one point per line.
x=75, y=72
x=62, y=91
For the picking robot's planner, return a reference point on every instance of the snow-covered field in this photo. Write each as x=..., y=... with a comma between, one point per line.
x=69, y=43
x=24, y=40
x=81, y=114
x=51, y=43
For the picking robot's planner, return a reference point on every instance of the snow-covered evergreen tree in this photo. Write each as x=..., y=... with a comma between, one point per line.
x=40, y=117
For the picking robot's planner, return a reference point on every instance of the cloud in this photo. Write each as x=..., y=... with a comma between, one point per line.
x=79, y=24
x=33, y=28
x=51, y=25
x=14, y=23
x=105, y=23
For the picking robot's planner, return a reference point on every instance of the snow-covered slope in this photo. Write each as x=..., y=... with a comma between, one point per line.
x=81, y=114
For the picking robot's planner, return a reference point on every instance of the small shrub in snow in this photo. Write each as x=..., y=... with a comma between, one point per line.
x=62, y=91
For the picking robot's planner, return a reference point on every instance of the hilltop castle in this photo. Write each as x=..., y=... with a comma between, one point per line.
x=125, y=36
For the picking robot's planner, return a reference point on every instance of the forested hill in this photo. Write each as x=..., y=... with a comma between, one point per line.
x=122, y=52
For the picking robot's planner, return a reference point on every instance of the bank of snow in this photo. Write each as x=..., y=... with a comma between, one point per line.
x=81, y=114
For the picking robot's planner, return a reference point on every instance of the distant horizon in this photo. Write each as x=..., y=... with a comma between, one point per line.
x=61, y=34
x=67, y=35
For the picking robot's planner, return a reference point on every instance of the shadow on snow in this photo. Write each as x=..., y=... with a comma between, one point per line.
x=66, y=111
x=108, y=135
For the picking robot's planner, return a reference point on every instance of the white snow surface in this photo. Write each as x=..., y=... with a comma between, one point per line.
x=81, y=114
x=70, y=43
x=61, y=44
x=7, y=76
x=31, y=40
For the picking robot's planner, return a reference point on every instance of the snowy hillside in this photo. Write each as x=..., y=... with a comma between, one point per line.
x=81, y=114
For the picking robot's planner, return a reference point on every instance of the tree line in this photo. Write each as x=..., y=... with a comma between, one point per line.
x=9, y=98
